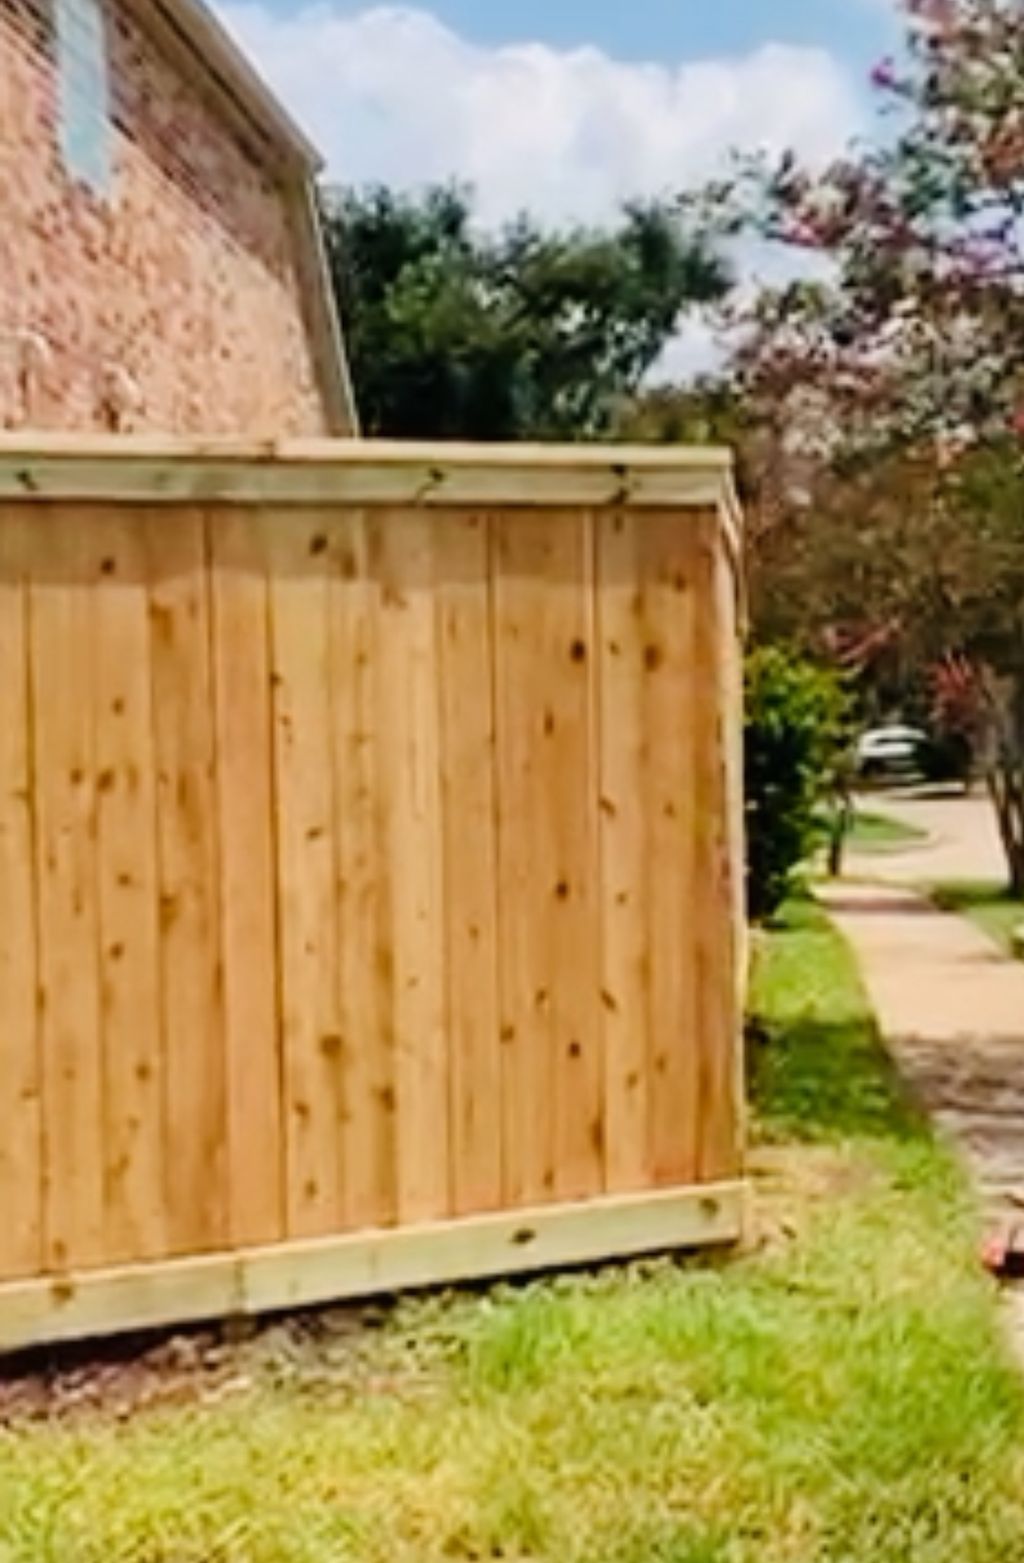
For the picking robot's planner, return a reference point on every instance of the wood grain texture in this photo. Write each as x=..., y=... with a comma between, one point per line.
x=195, y=1089
x=363, y=889
x=570, y=846
x=525, y=555
x=21, y=1077
x=361, y=867
x=625, y=861
x=314, y=1069
x=676, y=900
x=134, y=1077
x=288, y=473
x=410, y=782
x=61, y=609
x=466, y=684
x=720, y=843
x=546, y=659
x=305, y=1274
x=246, y=826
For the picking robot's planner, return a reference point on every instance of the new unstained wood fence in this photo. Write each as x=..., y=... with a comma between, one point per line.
x=370, y=876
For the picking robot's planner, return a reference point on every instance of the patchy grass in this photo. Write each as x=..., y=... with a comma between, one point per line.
x=873, y=832
x=870, y=833
x=839, y=1394
x=817, y=1072
x=994, y=910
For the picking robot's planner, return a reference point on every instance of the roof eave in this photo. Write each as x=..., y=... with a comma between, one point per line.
x=223, y=58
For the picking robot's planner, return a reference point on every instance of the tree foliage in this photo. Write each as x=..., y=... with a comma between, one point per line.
x=886, y=401
x=453, y=333
x=918, y=338
x=795, y=736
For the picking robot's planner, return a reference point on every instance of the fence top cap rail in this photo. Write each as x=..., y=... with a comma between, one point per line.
x=148, y=469
x=31, y=443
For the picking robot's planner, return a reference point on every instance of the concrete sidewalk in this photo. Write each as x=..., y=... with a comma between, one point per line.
x=961, y=840
x=951, y=1008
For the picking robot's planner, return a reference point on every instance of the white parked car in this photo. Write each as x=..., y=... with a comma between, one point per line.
x=890, y=751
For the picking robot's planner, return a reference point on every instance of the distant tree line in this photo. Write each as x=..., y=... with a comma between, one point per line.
x=455, y=333
x=878, y=414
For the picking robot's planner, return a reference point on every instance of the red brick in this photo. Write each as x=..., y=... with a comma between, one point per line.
x=184, y=276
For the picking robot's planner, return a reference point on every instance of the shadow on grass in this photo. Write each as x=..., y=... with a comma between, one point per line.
x=990, y=906
x=815, y=1082
x=817, y=1068
x=861, y=902
x=967, y=895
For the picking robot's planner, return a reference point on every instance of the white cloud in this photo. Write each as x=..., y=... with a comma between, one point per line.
x=699, y=345
x=391, y=94
x=694, y=350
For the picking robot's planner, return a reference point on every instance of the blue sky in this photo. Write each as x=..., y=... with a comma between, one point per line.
x=565, y=108
x=568, y=108
x=857, y=30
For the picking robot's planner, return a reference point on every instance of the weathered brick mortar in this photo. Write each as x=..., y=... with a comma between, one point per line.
x=173, y=304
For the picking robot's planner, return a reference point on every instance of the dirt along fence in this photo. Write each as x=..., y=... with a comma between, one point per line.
x=370, y=870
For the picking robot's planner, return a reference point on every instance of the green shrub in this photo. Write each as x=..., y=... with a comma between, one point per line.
x=796, y=735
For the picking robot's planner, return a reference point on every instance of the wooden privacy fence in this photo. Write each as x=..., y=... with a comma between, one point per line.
x=370, y=870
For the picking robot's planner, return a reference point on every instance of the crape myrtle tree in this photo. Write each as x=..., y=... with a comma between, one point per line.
x=889, y=393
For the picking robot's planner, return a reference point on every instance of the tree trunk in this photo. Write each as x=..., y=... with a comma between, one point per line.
x=1006, y=784
x=1006, y=764
x=842, y=820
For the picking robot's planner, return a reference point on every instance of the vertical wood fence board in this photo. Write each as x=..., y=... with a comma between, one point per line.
x=62, y=653
x=21, y=1142
x=675, y=899
x=195, y=1088
x=625, y=864
x=526, y=550
x=572, y=895
x=727, y=608
x=363, y=894
x=314, y=1106
x=368, y=859
x=128, y=891
x=730, y=682
x=712, y=931
x=248, y=900
x=470, y=867
x=409, y=731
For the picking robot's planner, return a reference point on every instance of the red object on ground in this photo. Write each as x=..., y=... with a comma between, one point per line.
x=995, y=1252
x=1002, y=1253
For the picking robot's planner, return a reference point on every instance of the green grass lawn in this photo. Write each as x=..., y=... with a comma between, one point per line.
x=840, y=1394
x=989, y=905
x=873, y=832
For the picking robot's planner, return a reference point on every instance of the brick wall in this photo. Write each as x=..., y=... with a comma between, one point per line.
x=170, y=302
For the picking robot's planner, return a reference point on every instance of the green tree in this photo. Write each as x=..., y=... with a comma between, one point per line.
x=454, y=333
x=890, y=397
x=707, y=412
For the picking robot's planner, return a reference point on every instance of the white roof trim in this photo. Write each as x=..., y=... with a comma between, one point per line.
x=227, y=63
